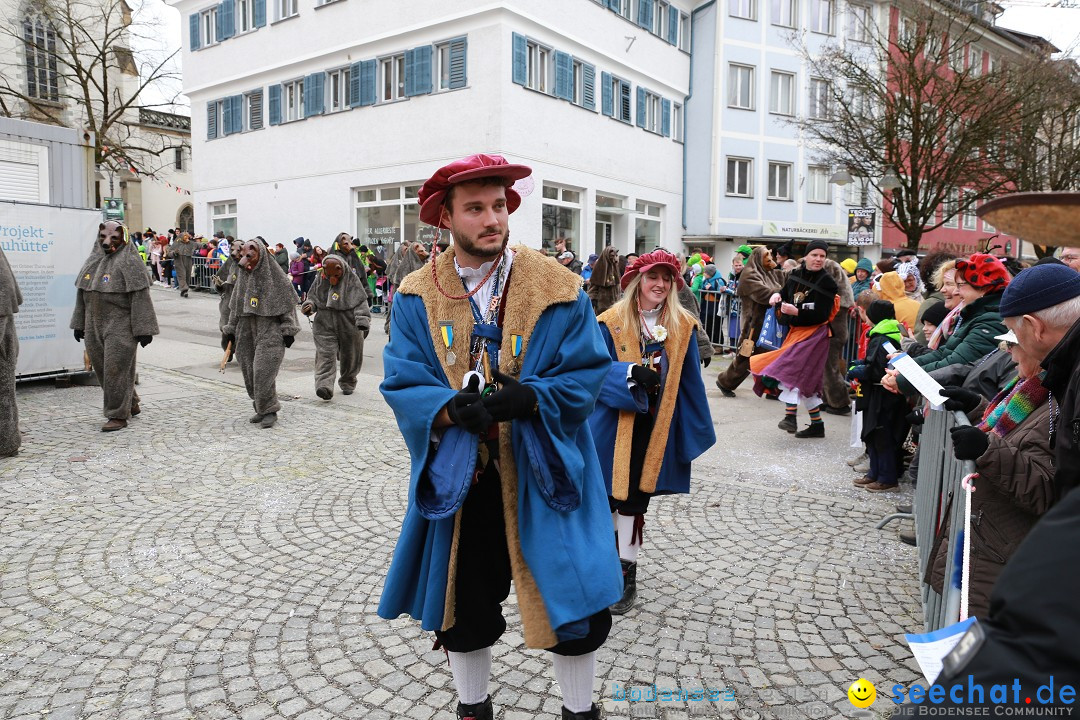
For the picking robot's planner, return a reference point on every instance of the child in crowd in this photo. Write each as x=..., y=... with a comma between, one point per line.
x=296, y=274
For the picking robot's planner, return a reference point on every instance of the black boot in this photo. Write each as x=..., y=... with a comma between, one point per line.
x=592, y=713
x=629, y=593
x=813, y=430
x=479, y=711
x=788, y=424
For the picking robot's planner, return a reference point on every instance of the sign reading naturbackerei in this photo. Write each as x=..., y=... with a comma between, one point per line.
x=860, y=230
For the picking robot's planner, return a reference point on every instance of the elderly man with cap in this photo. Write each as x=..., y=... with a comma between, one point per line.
x=807, y=303
x=493, y=367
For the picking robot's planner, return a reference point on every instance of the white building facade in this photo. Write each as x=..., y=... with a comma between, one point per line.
x=302, y=129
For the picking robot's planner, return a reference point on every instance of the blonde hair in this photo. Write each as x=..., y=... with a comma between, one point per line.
x=626, y=309
x=939, y=273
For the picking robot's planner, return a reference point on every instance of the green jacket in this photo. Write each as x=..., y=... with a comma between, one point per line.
x=980, y=324
x=890, y=328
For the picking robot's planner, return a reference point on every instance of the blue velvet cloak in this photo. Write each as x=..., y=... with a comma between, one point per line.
x=563, y=516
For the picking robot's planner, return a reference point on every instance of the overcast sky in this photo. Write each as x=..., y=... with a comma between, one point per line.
x=1061, y=26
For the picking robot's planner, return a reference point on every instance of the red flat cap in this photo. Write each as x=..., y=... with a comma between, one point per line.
x=474, y=167
x=657, y=258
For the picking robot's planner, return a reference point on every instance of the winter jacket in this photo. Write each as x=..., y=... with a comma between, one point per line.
x=282, y=259
x=892, y=289
x=817, y=292
x=1014, y=489
x=1063, y=380
x=986, y=376
x=980, y=325
x=296, y=270
x=880, y=408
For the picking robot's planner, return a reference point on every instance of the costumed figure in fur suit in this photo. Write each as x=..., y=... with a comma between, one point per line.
x=343, y=246
x=409, y=257
x=492, y=370
x=603, y=286
x=182, y=251
x=262, y=323
x=652, y=418
x=114, y=313
x=342, y=321
x=807, y=303
x=759, y=280
x=837, y=395
x=225, y=281
x=10, y=300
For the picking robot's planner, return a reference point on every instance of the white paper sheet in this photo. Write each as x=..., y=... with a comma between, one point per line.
x=930, y=649
x=927, y=386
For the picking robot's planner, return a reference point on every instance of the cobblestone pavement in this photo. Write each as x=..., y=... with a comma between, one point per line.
x=194, y=566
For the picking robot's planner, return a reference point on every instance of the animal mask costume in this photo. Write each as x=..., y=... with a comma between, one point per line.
x=114, y=265
x=262, y=289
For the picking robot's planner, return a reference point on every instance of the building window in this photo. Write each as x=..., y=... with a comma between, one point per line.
x=782, y=93
x=292, y=97
x=39, y=42
x=387, y=216
x=208, y=22
x=976, y=63
x=253, y=110
x=287, y=9
x=859, y=19
x=646, y=227
x=619, y=90
x=660, y=19
x=738, y=177
x=949, y=209
x=967, y=217
x=684, y=32
x=817, y=184
x=746, y=9
x=337, y=90
x=779, y=181
x=625, y=9
x=392, y=78
x=652, y=110
x=539, y=67
x=245, y=14
x=741, y=86
x=561, y=218
x=818, y=105
x=821, y=16
x=676, y=122
x=859, y=104
x=784, y=13
x=956, y=56
x=223, y=217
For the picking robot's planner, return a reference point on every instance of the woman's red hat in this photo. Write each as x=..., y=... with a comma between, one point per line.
x=657, y=258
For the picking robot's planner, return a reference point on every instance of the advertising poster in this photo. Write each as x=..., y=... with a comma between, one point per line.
x=114, y=209
x=46, y=246
x=861, y=230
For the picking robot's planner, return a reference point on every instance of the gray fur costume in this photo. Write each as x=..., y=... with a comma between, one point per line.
x=352, y=260
x=342, y=319
x=225, y=281
x=10, y=300
x=262, y=312
x=181, y=255
x=113, y=310
x=836, y=391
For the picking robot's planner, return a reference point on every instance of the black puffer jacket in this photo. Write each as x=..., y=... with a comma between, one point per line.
x=1063, y=380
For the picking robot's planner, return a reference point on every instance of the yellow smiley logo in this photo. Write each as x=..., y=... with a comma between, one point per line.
x=862, y=693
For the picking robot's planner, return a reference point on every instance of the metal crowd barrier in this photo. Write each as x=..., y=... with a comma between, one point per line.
x=721, y=317
x=203, y=270
x=851, y=347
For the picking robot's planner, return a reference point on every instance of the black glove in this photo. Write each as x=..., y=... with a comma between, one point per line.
x=512, y=401
x=961, y=399
x=366, y=331
x=145, y=340
x=287, y=340
x=969, y=443
x=915, y=418
x=79, y=335
x=705, y=362
x=647, y=378
x=230, y=339
x=466, y=410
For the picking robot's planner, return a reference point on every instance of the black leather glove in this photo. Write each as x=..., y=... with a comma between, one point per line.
x=511, y=401
x=287, y=340
x=969, y=443
x=915, y=417
x=79, y=335
x=647, y=378
x=705, y=362
x=961, y=399
x=145, y=340
x=467, y=411
x=230, y=339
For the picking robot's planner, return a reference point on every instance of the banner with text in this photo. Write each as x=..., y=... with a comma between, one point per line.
x=860, y=226
x=46, y=246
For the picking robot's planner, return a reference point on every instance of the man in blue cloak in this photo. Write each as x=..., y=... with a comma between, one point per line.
x=493, y=368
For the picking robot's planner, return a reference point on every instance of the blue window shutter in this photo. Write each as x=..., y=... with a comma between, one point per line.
x=418, y=71
x=588, y=86
x=256, y=102
x=607, y=102
x=613, y=5
x=354, y=85
x=236, y=107
x=673, y=25
x=226, y=116
x=521, y=61
x=624, y=102
x=226, y=19
x=313, y=94
x=275, y=104
x=195, y=41
x=641, y=107
x=665, y=117
x=645, y=14
x=211, y=120
x=219, y=18
x=458, y=69
x=260, y=13
x=564, y=76
x=368, y=91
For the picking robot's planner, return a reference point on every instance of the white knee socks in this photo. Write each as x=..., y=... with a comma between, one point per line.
x=624, y=525
x=471, y=671
x=575, y=676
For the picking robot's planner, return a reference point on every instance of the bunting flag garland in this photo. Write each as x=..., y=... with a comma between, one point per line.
x=105, y=150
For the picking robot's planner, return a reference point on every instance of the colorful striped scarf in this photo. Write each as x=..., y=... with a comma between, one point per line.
x=1013, y=404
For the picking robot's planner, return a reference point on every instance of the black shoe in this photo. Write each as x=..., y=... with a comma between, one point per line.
x=479, y=711
x=838, y=410
x=788, y=424
x=904, y=508
x=907, y=538
x=324, y=392
x=723, y=390
x=813, y=430
x=183, y=293
x=592, y=713
x=629, y=593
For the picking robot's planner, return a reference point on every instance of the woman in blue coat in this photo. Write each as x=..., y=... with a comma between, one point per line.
x=651, y=418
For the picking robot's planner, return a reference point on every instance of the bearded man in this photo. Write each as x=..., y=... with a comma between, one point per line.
x=114, y=314
x=342, y=322
x=505, y=481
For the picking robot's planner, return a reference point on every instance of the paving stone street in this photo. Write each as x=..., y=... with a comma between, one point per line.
x=196, y=566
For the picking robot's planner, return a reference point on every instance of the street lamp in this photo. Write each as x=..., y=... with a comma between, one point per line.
x=890, y=181
x=841, y=177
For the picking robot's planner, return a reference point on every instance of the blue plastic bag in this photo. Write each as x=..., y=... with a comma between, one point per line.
x=772, y=333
